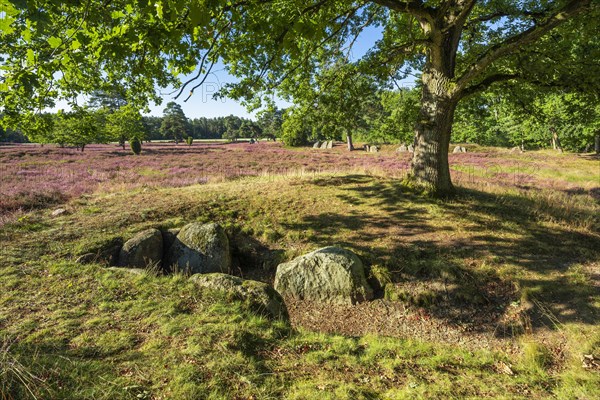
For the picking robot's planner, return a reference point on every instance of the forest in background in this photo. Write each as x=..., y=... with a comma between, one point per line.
x=527, y=118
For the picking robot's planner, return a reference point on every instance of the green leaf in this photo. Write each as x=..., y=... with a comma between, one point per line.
x=117, y=14
x=30, y=57
x=54, y=42
x=159, y=9
x=198, y=15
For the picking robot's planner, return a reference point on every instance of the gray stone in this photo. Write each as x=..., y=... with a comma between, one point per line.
x=144, y=250
x=411, y=148
x=324, y=145
x=58, y=212
x=402, y=148
x=258, y=296
x=330, y=144
x=200, y=249
x=459, y=149
x=328, y=275
x=374, y=149
x=516, y=149
x=317, y=145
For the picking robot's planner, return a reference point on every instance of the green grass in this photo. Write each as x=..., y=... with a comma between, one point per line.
x=71, y=331
x=92, y=333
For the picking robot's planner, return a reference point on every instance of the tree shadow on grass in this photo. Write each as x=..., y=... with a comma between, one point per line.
x=445, y=275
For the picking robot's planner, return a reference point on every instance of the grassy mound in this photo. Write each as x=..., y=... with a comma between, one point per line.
x=493, y=294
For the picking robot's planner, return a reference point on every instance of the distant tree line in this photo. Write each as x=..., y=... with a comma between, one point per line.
x=529, y=118
x=107, y=118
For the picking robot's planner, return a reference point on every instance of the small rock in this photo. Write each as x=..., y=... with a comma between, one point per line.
x=330, y=144
x=374, y=149
x=402, y=148
x=324, y=145
x=58, y=212
x=317, y=145
x=143, y=250
x=328, y=275
x=459, y=149
x=516, y=149
x=259, y=296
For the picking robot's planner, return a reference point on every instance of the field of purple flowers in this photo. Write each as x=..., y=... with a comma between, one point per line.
x=35, y=177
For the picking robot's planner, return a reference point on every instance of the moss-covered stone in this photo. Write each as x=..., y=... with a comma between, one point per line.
x=258, y=296
x=328, y=275
x=200, y=249
x=143, y=250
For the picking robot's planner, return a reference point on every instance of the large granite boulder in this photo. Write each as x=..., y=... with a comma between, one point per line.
x=200, y=249
x=144, y=250
x=330, y=144
x=324, y=145
x=317, y=145
x=328, y=275
x=258, y=296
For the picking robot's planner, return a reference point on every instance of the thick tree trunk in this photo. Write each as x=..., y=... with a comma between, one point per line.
x=597, y=143
x=432, y=135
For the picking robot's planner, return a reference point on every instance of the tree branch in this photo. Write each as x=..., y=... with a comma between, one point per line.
x=486, y=83
x=513, y=43
x=210, y=48
x=344, y=23
x=412, y=7
x=466, y=8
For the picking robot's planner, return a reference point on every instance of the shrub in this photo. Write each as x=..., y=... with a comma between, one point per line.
x=189, y=140
x=136, y=146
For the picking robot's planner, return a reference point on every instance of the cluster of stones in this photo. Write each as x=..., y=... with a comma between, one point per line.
x=329, y=275
x=405, y=149
x=328, y=144
x=371, y=148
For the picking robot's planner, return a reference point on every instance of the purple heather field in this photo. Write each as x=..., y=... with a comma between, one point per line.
x=35, y=177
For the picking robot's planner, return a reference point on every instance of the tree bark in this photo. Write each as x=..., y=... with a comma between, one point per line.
x=555, y=140
x=429, y=165
x=349, y=141
x=597, y=143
